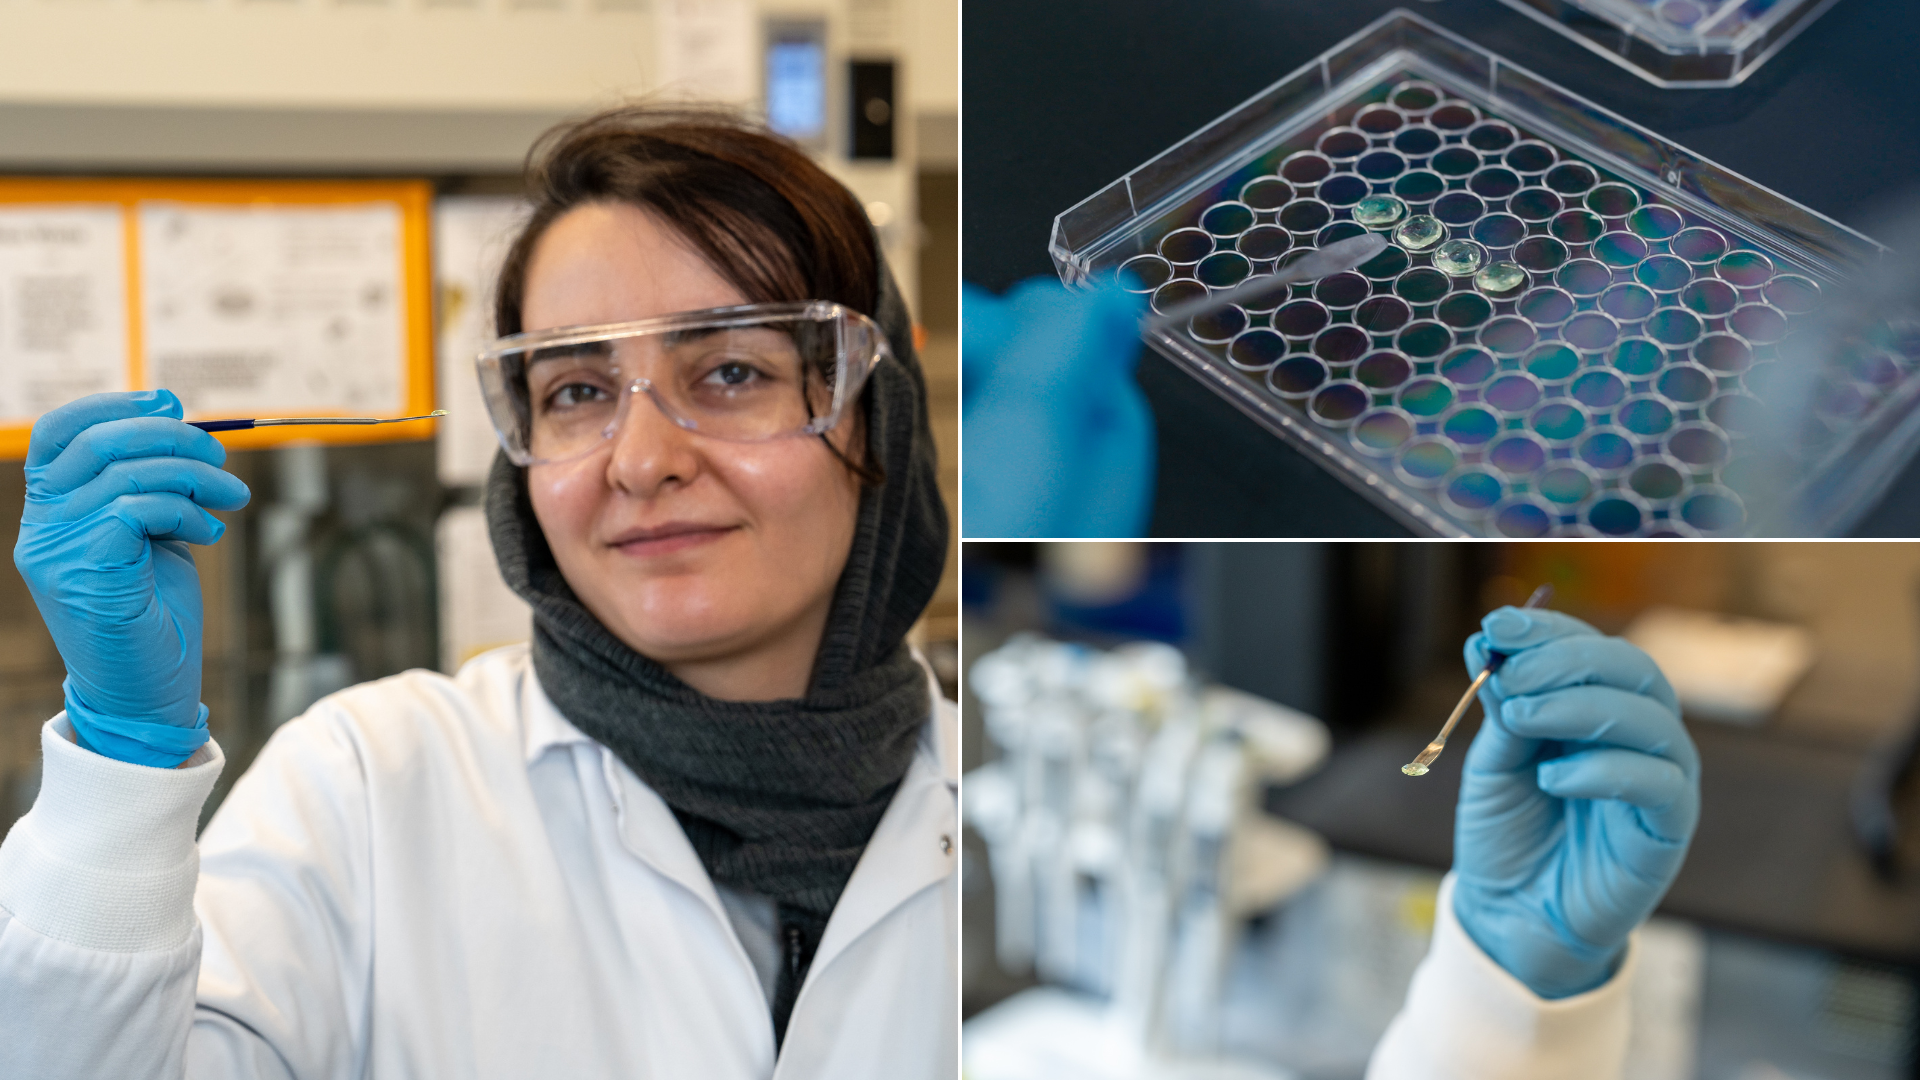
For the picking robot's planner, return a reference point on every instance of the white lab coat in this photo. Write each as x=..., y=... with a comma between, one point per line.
x=434, y=877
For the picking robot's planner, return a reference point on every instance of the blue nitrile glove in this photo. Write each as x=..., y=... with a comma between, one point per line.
x=1580, y=797
x=115, y=487
x=1058, y=437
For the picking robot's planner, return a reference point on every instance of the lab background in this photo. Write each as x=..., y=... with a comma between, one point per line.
x=355, y=562
x=1189, y=841
x=1086, y=93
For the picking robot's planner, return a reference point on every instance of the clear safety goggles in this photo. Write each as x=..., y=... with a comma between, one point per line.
x=744, y=374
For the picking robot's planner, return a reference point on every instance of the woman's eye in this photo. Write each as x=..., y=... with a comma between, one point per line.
x=731, y=374
x=574, y=395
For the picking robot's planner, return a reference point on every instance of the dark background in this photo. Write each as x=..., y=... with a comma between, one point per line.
x=1063, y=97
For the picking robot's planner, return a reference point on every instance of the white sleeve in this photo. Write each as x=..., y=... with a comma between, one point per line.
x=126, y=951
x=99, y=948
x=1466, y=1018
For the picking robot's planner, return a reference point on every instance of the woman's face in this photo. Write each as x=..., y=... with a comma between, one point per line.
x=716, y=559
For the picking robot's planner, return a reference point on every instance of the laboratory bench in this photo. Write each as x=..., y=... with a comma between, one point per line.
x=1062, y=98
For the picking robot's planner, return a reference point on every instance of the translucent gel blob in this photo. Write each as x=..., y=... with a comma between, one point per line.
x=1379, y=211
x=1420, y=232
x=1459, y=258
x=1501, y=277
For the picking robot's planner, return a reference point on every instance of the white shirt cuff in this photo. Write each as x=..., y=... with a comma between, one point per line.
x=106, y=858
x=1466, y=1018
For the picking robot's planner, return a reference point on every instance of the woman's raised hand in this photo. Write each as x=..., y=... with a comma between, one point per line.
x=117, y=487
x=1580, y=796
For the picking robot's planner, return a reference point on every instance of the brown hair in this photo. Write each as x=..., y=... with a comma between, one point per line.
x=755, y=206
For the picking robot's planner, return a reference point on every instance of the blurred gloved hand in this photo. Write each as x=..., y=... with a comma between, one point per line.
x=1058, y=437
x=1580, y=796
x=115, y=490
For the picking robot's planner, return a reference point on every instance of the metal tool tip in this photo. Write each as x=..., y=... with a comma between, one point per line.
x=438, y=412
x=1414, y=769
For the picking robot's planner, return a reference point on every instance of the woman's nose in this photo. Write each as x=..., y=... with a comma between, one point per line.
x=650, y=451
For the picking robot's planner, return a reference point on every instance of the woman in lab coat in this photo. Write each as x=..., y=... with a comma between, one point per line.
x=703, y=826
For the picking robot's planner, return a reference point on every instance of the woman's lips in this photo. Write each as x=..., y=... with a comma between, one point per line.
x=668, y=539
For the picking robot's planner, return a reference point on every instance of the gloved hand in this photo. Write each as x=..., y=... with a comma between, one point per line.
x=1058, y=437
x=115, y=490
x=1580, y=796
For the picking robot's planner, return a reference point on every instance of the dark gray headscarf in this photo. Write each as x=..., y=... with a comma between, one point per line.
x=778, y=798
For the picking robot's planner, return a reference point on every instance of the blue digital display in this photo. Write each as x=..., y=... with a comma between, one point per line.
x=797, y=89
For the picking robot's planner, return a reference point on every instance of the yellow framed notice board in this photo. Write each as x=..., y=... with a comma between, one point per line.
x=247, y=298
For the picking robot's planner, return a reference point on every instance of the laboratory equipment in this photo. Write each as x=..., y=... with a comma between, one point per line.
x=1418, y=766
x=1653, y=371
x=1680, y=43
x=1125, y=836
x=281, y=421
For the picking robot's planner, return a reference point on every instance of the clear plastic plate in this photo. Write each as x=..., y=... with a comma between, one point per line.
x=1592, y=338
x=1680, y=43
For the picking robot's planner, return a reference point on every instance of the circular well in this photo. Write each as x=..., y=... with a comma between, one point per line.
x=1383, y=370
x=1464, y=310
x=1590, y=331
x=1571, y=178
x=1468, y=366
x=1382, y=314
x=1536, y=205
x=1628, y=301
x=1147, y=273
x=1508, y=335
x=1499, y=231
x=1297, y=376
x=1688, y=384
x=1546, y=306
x=1223, y=270
x=1338, y=403
x=1540, y=254
x=1613, y=200
x=1256, y=349
x=1530, y=158
x=1382, y=431
x=1674, y=326
x=1184, y=247
x=1227, y=219
x=1762, y=324
x=1584, y=277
